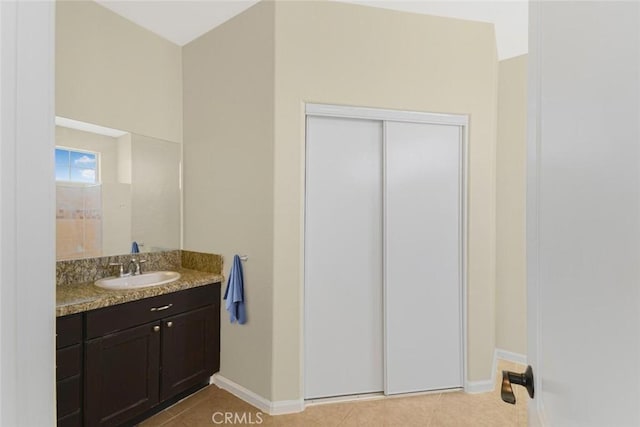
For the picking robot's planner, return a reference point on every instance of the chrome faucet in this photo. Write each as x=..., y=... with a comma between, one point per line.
x=120, y=266
x=134, y=267
x=137, y=266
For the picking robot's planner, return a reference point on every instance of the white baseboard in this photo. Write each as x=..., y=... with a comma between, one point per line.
x=254, y=399
x=482, y=386
x=243, y=393
x=510, y=356
x=286, y=407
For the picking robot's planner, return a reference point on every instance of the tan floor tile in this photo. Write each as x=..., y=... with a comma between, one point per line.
x=329, y=415
x=349, y=414
x=351, y=420
x=486, y=409
x=175, y=422
x=455, y=409
x=295, y=420
x=203, y=414
x=189, y=402
x=522, y=412
x=522, y=419
x=157, y=420
x=410, y=411
x=369, y=414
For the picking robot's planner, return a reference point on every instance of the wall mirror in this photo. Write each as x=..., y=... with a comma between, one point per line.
x=113, y=188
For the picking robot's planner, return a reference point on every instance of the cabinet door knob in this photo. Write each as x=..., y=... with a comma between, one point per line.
x=156, y=328
x=169, y=324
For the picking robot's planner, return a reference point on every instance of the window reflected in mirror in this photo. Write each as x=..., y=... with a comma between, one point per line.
x=112, y=188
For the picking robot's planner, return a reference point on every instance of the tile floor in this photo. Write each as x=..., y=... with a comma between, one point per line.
x=453, y=409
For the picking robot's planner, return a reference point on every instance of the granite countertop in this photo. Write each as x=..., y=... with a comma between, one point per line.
x=79, y=297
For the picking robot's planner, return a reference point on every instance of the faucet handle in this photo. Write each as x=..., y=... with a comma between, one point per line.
x=118, y=264
x=140, y=262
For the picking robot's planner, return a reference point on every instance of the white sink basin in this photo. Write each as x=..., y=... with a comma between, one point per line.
x=152, y=278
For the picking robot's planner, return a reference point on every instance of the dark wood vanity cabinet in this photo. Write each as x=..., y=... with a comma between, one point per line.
x=122, y=375
x=187, y=350
x=142, y=354
x=69, y=370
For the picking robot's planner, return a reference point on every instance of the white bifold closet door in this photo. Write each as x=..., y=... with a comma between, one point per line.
x=422, y=298
x=343, y=253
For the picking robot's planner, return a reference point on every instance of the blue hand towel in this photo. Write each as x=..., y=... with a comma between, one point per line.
x=134, y=248
x=234, y=295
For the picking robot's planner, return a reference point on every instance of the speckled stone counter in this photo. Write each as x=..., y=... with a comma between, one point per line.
x=91, y=269
x=79, y=297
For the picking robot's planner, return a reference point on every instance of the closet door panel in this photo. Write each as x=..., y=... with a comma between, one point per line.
x=343, y=251
x=423, y=328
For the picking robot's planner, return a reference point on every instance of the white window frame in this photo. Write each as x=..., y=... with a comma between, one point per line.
x=98, y=166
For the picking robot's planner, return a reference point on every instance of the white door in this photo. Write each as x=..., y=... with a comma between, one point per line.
x=583, y=213
x=423, y=281
x=360, y=173
x=343, y=253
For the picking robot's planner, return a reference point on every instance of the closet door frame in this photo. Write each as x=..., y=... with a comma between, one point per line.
x=384, y=115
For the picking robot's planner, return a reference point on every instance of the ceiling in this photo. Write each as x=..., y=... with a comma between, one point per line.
x=181, y=21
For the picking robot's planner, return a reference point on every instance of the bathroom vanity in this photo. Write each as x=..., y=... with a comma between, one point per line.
x=124, y=361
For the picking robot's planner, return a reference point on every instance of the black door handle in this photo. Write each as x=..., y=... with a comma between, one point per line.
x=525, y=379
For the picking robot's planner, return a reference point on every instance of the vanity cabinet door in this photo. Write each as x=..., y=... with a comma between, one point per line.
x=69, y=370
x=122, y=375
x=189, y=350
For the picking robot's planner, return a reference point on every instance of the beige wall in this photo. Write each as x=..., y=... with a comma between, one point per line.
x=511, y=298
x=114, y=73
x=346, y=54
x=228, y=175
